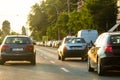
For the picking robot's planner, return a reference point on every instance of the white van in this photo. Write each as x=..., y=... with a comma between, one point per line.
x=88, y=35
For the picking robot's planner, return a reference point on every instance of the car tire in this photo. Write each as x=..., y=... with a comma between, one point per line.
x=33, y=61
x=59, y=57
x=62, y=58
x=90, y=69
x=84, y=59
x=2, y=62
x=100, y=69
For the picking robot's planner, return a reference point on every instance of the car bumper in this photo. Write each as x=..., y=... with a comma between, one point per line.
x=75, y=53
x=111, y=62
x=18, y=57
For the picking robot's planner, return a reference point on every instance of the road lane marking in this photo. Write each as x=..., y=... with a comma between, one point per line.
x=64, y=69
x=52, y=62
x=45, y=57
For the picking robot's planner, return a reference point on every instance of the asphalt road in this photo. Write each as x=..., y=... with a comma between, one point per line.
x=48, y=67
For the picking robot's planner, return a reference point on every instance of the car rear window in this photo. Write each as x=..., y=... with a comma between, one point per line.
x=77, y=40
x=115, y=39
x=17, y=40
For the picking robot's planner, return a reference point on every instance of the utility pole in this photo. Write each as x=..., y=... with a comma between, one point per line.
x=68, y=5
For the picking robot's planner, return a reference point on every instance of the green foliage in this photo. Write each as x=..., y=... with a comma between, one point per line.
x=61, y=24
x=14, y=33
x=51, y=18
x=104, y=13
x=37, y=20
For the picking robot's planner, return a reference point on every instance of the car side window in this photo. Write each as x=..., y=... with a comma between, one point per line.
x=115, y=39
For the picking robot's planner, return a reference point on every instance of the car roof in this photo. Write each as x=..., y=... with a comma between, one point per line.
x=16, y=36
x=112, y=33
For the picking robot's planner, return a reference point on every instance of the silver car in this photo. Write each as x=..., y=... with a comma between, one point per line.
x=74, y=47
x=17, y=48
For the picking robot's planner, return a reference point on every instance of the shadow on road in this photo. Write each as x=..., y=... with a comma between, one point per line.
x=74, y=60
x=19, y=63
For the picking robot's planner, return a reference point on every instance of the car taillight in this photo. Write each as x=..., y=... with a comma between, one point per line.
x=30, y=48
x=4, y=47
x=64, y=48
x=108, y=48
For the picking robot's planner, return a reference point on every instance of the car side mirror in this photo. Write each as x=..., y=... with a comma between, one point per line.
x=92, y=44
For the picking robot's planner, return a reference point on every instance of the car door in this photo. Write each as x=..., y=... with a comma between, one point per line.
x=97, y=45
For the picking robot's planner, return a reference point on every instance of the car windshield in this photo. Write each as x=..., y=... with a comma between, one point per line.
x=17, y=40
x=77, y=40
x=115, y=39
x=67, y=40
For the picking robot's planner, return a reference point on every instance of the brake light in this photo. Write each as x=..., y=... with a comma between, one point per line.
x=108, y=48
x=30, y=48
x=64, y=48
x=4, y=47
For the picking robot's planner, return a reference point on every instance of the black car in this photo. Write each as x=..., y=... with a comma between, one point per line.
x=105, y=54
x=17, y=48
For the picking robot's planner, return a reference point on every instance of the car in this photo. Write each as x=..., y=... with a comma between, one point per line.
x=72, y=47
x=88, y=35
x=105, y=53
x=17, y=48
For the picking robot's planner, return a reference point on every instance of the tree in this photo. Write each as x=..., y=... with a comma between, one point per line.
x=44, y=15
x=23, y=30
x=6, y=27
x=61, y=24
x=53, y=19
x=1, y=36
x=14, y=33
x=104, y=13
x=37, y=20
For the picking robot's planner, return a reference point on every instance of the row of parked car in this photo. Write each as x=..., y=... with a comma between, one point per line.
x=51, y=43
x=103, y=55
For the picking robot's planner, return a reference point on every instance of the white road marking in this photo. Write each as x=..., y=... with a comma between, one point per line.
x=64, y=69
x=45, y=57
x=52, y=62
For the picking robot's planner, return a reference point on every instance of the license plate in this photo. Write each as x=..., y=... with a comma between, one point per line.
x=17, y=49
x=75, y=48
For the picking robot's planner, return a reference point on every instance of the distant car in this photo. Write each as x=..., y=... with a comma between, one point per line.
x=105, y=54
x=57, y=44
x=17, y=48
x=72, y=47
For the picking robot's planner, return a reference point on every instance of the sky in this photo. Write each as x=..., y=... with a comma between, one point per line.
x=16, y=12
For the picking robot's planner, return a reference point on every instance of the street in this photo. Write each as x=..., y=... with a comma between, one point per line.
x=48, y=67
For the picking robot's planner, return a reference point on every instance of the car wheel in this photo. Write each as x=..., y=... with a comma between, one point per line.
x=59, y=57
x=33, y=61
x=2, y=62
x=90, y=69
x=100, y=69
x=84, y=59
x=62, y=58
